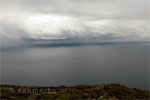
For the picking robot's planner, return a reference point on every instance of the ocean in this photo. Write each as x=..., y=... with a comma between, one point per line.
x=123, y=63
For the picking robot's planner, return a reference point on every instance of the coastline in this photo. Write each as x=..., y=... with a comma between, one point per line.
x=98, y=92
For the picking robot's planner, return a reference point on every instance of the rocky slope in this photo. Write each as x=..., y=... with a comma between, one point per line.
x=96, y=92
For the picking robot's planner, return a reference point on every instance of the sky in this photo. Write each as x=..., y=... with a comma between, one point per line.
x=122, y=20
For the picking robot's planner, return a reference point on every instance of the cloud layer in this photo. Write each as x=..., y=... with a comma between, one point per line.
x=71, y=19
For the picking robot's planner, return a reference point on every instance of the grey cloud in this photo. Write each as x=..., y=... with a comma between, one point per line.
x=56, y=26
x=100, y=9
x=98, y=19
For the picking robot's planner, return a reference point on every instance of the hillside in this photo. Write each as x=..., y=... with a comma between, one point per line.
x=100, y=92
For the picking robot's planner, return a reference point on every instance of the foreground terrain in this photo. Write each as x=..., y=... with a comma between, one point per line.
x=98, y=92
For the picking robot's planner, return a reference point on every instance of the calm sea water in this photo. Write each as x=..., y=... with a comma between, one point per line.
x=126, y=63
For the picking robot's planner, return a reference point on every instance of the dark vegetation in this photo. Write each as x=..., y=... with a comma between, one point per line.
x=96, y=92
